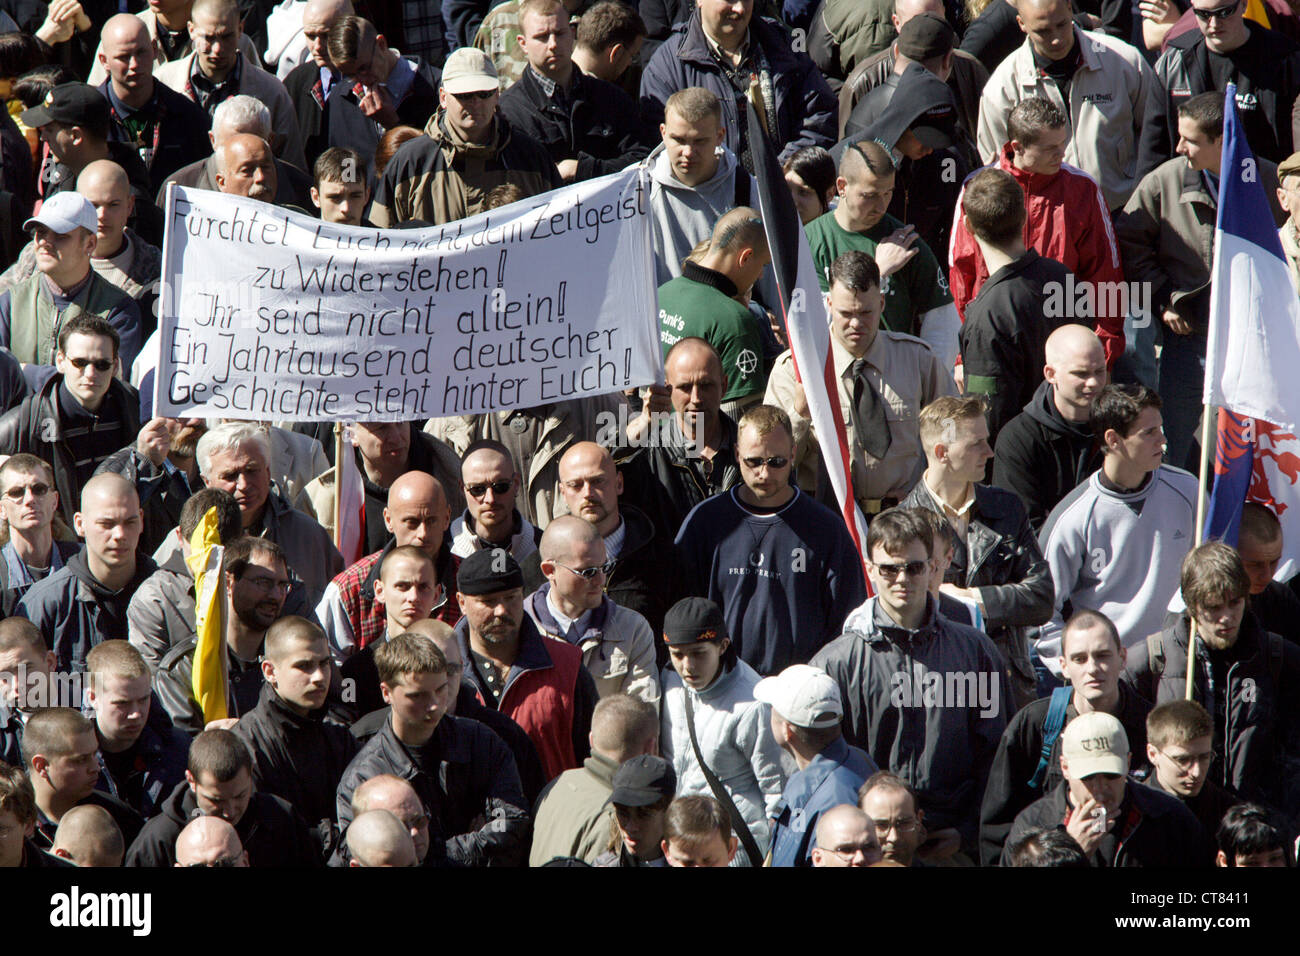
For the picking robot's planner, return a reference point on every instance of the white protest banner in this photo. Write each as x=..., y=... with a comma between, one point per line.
x=268, y=314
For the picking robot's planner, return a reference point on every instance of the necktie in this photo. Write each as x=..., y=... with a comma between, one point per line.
x=872, y=428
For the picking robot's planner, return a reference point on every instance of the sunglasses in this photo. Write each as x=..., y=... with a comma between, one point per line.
x=591, y=572
x=101, y=365
x=774, y=462
x=499, y=488
x=476, y=95
x=19, y=492
x=1221, y=13
x=912, y=568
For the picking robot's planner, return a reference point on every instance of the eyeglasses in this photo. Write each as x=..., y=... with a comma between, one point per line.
x=776, y=461
x=1222, y=13
x=476, y=95
x=268, y=585
x=101, y=365
x=591, y=572
x=478, y=490
x=19, y=492
x=223, y=863
x=912, y=569
x=850, y=850
x=1188, y=761
x=906, y=825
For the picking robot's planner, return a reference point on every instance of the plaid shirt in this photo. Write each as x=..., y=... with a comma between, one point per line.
x=422, y=31
x=367, y=615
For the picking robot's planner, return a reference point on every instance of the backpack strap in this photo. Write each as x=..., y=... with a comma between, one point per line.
x=1053, y=723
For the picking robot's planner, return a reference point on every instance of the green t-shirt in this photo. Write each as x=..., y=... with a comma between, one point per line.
x=909, y=293
x=690, y=308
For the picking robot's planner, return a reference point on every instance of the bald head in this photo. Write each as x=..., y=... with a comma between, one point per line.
x=88, y=837
x=317, y=18
x=209, y=841
x=1072, y=340
x=904, y=10
x=694, y=375
x=108, y=488
x=377, y=838
x=847, y=829
x=106, y=185
x=591, y=485
x=417, y=512
x=865, y=158
x=121, y=29
x=246, y=167
x=564, y=536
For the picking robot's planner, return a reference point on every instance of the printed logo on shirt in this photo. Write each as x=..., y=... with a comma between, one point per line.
x=1247, y=101
x=746, y=362
x=1099, y=98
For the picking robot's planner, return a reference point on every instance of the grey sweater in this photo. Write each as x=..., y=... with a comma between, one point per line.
x=1119, y=554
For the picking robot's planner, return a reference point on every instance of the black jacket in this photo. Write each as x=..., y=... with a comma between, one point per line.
x=1267, y=78
x=527, y=762
x=74, y=613
x=299, y=759
x=1208, y=806
x=1256, y=753
x=666, y=481
x=1006, y=329
x=159, y=765
x=1001, y=557
x=943, y=753
x=1278, y=610
x=476, y=779
x=271, y=831
x=646, y=576
x=182, y=132
x=36, y=426
x=1154, y=829
x=598, y=125
x=1042, y=458
x=1014, y=764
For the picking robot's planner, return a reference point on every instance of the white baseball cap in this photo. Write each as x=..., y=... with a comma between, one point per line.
x=469, y=70
x=1095, y=743
x=64, y=212
x=806, y=696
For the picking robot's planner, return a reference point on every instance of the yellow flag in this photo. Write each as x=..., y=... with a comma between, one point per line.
x=1257, y=11
x=208, y=678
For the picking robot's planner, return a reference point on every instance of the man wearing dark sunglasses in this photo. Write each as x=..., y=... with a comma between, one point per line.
x=780, y=565
x=491, y=520
x=81, y=415
x=927, y=698
x=618, y=647
x=467, y=150
x=1225, y=48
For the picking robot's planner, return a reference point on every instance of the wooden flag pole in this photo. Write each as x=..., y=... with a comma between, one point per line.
x=1206, y=411
x=338, y=485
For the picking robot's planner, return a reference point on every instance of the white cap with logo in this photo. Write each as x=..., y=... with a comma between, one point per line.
x=1095, y=743
x=64, y=212
x=805, y=696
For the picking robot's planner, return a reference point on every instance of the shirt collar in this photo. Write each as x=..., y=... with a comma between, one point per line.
x=948, y=511
x=569, y=625
x=401, y=79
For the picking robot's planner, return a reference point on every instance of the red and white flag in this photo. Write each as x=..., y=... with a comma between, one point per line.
x=807, y=325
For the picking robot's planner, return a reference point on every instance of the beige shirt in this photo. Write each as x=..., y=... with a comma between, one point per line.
x=907, y=375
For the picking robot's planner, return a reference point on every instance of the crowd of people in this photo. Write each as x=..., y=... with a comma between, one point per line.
x=664, y=647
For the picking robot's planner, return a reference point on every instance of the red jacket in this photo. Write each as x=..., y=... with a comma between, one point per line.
x=1067, y=220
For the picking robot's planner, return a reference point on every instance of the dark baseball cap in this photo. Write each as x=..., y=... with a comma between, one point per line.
x=693, y=619
x=923, y=104
x=71, y=104
x=489, y=571
x=926, y=35
x=643, y=780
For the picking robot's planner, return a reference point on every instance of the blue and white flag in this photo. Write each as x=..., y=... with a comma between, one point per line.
x=1252, y=361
